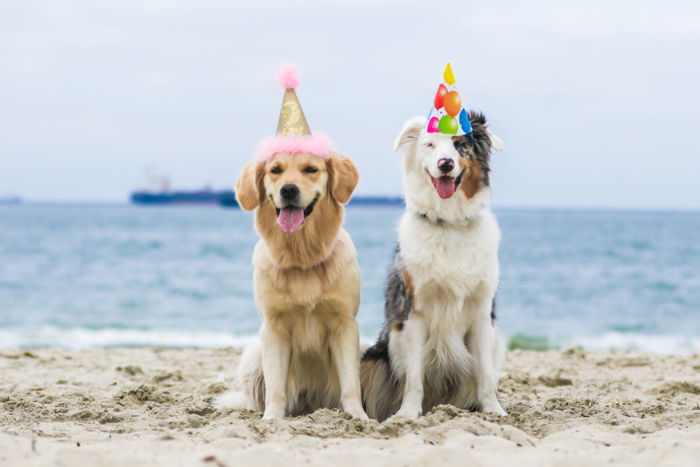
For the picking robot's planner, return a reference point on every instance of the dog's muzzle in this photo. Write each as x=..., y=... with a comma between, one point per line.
x=291, y=216
x=446, y=165
x=289, y=192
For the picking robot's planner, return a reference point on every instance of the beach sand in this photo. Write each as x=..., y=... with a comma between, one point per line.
x=151, y=406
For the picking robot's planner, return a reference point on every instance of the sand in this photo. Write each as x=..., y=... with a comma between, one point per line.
x=151, y=407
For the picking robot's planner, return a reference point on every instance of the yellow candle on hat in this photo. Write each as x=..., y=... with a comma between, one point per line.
x=448, y=75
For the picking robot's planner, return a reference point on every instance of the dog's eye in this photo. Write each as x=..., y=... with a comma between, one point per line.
x=429, y=145
x=276, y=170
x=310, y=169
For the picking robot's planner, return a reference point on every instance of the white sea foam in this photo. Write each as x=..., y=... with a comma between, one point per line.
x=663, y=343
x=79, y=338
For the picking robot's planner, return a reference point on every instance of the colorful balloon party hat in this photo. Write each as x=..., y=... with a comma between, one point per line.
x=293, y=132
x=448, y=116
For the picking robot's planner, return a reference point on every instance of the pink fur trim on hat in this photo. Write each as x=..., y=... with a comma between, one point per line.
x=317, y=144
x=288, y=77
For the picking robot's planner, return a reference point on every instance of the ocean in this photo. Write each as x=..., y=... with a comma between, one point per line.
x=97, y=275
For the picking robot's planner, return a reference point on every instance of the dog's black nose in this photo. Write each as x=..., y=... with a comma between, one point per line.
x=289, y=191
x=446, y=165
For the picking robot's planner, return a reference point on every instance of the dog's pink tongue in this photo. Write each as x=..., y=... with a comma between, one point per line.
x=290, y=219
x=445, y=187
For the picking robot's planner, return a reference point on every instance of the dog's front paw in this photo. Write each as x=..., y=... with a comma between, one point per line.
x=273, y=413
x=359, y=414
x=405, y=413
x=354, y=408
x=493, y=407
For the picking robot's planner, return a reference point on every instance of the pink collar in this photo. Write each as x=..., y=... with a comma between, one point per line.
x=313, y=265
x=330, y=253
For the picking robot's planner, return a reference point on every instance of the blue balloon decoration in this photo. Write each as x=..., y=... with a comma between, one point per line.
x=464, y=122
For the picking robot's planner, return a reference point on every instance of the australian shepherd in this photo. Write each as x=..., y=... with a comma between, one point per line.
x=439, y=343
x=307, y=288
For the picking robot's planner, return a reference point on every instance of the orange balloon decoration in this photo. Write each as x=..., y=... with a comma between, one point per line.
x=440, y=96
x=453, y=103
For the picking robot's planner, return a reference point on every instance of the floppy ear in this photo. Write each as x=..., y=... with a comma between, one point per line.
x=496, y=142
x=249, y=185
x=343, y=177
x=409, y=133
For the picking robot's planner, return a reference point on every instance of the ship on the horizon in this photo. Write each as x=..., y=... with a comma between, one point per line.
x=204, y=196
x=157, y=191
x=10, y=199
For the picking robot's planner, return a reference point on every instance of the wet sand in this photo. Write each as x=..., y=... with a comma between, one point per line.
x=152, y=406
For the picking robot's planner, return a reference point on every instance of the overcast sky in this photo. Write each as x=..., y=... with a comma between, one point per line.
x=597, y=101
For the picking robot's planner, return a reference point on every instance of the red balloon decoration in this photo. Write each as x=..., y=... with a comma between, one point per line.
x=440, y=96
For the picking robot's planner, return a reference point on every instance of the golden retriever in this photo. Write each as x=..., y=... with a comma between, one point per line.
x=307, y=288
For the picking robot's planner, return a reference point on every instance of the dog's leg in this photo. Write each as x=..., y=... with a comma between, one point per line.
x=483, y=340
x=276, y=352
x=407, y=351
x=345, y=349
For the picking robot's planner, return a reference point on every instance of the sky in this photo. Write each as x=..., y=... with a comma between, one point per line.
x=597, y=102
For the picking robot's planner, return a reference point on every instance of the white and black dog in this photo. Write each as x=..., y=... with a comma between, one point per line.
x=439, y=343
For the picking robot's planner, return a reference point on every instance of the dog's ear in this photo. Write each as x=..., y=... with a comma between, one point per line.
x=409, y=133
x=496, y=142
x=249, y=189
x=343, y=177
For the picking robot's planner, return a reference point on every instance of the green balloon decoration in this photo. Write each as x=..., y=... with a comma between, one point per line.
x=448, y=125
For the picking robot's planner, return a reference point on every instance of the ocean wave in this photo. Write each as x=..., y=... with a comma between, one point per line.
x=662, y=343
x=658, y=343
x=80, y=338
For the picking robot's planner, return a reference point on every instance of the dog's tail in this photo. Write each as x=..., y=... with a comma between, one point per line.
x=381, y=395
x=251, y=395
x=233, y=400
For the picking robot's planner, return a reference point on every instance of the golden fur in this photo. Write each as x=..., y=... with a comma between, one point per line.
x=306, y=290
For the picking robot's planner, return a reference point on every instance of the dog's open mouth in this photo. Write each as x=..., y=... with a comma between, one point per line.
x=290, y=218
x=446, y=186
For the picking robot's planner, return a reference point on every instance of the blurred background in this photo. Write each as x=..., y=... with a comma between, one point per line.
x=123, y=126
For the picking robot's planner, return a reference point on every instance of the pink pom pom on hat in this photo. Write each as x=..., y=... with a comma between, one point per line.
x=293, y=133
x=288, y=76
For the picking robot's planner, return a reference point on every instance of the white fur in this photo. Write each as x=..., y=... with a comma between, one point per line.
x=420, y=193
x=455, y=273
x=496, y=142
x=233, y=400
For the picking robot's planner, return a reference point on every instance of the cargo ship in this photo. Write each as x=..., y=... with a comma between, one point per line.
x=11, y=199
x=156, y=190
x=227, y=198
x=376, y=201
x=200, y=197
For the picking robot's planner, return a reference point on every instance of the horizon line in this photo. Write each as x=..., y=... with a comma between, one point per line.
x=126, y=203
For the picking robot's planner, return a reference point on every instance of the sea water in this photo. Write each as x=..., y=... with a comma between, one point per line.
x=79, y=276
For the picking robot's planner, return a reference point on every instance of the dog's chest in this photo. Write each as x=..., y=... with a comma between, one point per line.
x=450, y=261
